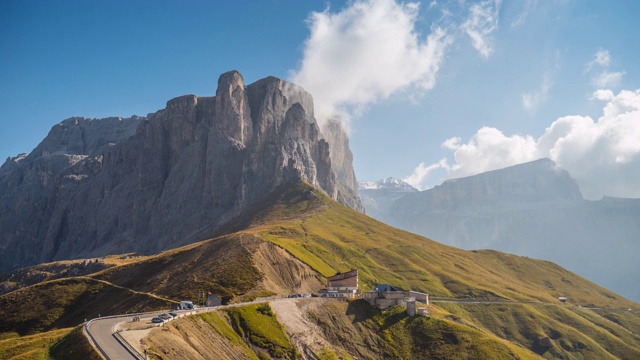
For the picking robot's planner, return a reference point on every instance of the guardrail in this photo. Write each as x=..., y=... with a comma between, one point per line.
x=128, y=346
x=135, y=353
x=92, y=339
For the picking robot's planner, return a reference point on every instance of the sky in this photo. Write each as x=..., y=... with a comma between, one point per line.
x=428, y=90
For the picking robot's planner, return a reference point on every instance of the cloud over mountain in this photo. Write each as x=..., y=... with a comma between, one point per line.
x=602, y=155
x=365, y=53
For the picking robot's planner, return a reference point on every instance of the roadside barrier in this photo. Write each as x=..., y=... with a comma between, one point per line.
x=92, y=339
x=127, y=346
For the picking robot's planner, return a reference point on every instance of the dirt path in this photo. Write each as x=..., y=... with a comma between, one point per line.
x=305, y=335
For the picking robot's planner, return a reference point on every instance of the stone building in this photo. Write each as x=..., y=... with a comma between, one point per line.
x=342, y=285
x=384, y=296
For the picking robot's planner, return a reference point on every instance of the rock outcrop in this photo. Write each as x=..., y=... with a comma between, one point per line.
x=342, y=165
x=144, y=184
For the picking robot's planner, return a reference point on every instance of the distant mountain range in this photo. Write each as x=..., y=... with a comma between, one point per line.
x=378, y=196
x=533, y=209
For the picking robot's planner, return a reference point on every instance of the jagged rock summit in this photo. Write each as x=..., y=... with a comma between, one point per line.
x=98, y=186
x=390, y=183
x=377, y=196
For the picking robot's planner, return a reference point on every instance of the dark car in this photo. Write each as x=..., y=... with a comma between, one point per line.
x=157, y=320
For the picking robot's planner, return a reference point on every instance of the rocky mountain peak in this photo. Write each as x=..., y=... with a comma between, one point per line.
x=100, y=186
x=86, y=136
x=390, y=183
x=535, y=181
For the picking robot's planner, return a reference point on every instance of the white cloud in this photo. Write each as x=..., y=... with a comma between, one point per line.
x=422, y=172
x=601, y=58
x=603, y=78
x=482, y=21
x=607, y=79
x=365, y=53
x=489, y=149
x=531, y=100
x=603, y=156
x=522, y=17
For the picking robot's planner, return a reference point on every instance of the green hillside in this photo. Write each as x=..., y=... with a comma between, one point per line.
x=66, y=303
x=331, y=238
x=297, y=236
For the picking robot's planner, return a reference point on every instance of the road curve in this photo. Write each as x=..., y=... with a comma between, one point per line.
x=101, y=330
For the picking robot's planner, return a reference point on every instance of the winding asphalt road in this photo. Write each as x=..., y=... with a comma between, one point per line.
x=101, y=330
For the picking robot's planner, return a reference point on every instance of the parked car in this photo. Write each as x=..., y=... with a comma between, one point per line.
x=165, y=316
x=157, y=320
x=175, y=315
x=186, y=305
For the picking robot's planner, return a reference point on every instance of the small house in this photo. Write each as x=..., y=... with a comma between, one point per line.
x=343, y=285
x=213, y=300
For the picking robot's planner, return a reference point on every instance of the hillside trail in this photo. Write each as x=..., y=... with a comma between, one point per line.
x=305, y=335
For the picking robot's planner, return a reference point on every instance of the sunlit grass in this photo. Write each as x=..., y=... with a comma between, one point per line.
x=260, y=326
x=31, y=346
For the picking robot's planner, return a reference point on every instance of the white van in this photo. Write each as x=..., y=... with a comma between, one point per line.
x=186, y=305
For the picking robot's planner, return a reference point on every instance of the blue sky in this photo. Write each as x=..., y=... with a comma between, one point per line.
x=429, y=90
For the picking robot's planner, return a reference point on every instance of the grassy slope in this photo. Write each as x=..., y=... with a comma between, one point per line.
x=219, y=265
x=439, y=338
x=73, y=346
x=249, y=332
x=61, y=269
x=574, y=332
x=32, y=346
x=330, y=238
x=259, y=326
x=66, y=303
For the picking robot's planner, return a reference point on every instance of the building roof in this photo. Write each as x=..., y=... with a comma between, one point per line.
x=386, y=288
x=346, y=275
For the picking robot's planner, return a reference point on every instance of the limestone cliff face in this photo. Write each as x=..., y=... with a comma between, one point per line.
x=342, y=165
x=100, y=186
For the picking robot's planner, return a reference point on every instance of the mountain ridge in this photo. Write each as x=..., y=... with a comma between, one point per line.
x=94, y=187
x=533, y=209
